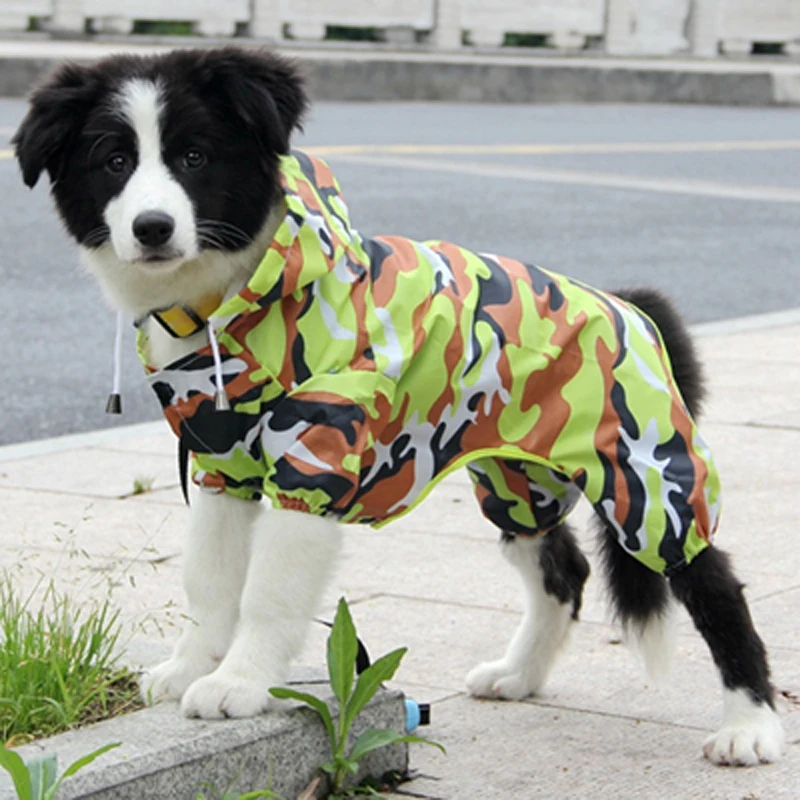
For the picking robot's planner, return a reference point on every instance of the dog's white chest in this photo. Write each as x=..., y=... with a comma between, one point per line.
x=164, y=349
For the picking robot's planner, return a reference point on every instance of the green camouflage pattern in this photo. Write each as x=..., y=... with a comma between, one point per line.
x=361, y=371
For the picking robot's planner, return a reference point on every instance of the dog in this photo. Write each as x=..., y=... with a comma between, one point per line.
x=339, y=377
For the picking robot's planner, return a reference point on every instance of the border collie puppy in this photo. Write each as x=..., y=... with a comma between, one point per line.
x=339, y=377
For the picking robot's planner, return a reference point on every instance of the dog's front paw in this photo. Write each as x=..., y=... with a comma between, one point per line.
x=169, y=680
x=218, y=696
x=501, y=680
x=751, y=734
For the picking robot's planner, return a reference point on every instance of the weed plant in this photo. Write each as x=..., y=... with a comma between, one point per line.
x=59, y=664
x=352, y=695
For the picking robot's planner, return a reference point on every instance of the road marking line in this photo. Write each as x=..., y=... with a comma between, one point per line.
x=612, y=180
x=606, y=148
x=602, y=148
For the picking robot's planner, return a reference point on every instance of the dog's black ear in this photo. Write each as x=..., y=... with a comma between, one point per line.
x=55, y=117
x=263, y=89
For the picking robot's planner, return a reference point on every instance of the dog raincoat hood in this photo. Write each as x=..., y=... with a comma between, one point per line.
x=361, y=371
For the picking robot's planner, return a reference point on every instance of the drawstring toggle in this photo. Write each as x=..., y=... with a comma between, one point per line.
x=221, y=402
x=114, y=402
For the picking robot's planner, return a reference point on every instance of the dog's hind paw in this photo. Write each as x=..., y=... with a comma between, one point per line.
x=169, y=680
x=751, y=733
x=218, y=696
x=500, y=680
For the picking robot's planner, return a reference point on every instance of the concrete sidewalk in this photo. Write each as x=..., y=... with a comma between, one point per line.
x=435, y=582
x=364, y=72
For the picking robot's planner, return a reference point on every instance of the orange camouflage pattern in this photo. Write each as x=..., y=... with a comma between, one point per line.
x=360, y=371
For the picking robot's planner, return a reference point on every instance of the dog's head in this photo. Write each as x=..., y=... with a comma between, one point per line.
x=163, y=158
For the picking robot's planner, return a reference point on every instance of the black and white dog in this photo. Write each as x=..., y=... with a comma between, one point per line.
x=165, y=172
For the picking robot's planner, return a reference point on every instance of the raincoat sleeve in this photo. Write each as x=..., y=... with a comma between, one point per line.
x=316, y=440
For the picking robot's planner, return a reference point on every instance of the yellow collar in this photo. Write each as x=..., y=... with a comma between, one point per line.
x=181, y=321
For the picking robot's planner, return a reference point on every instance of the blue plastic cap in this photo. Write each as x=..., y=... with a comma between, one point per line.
x=412, y=715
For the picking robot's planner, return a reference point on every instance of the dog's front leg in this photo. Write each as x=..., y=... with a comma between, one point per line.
x=293, y=555
x=214, y=569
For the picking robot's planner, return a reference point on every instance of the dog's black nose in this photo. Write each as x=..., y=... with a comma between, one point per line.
x=153, y=228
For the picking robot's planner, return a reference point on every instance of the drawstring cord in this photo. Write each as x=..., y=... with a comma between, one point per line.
x=114, y=403
x=221, y=402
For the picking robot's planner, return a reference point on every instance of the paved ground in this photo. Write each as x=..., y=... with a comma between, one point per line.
x=702, y=202
x=435, y=582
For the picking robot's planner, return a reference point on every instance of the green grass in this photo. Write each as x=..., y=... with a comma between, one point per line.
x=163, y=27
x=525, y=40
x=143, y=484
x=59, y=665
x=347, y=33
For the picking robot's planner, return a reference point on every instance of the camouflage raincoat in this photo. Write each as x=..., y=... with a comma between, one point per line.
x=361, y=371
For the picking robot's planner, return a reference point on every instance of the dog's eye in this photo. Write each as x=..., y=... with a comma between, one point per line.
x=116, y=163
x=194, y=159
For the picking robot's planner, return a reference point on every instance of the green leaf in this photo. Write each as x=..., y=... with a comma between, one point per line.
x=369, y=682
x=284, y=693
x=412, y=739
x=15, y=767
x=372, y=739
x=43, y=772
x=75, y=766
x=342, y=652
x=84, y=761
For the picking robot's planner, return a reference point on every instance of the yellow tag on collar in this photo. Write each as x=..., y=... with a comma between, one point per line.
x=182, y=321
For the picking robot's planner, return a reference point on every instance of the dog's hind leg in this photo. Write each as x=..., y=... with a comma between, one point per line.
x=640, y=602
x=751, y=730
x=214, y=568
x=553, y=571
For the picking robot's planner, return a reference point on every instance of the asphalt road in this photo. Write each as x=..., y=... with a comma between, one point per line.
x=701, y=202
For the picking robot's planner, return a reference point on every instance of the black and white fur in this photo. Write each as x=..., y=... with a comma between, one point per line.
x=164, y=170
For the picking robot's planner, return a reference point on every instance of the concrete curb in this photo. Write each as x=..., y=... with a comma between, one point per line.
x=105, y=437
x=511, y=76
x=164, y=755
x=438, y=80
x=752, y=322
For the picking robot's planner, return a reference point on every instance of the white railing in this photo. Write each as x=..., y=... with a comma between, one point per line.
x=647, y=27
x=565, y=23
x=15, y=14
x=209, y=17
x=655, y=27
x=769, y=21
x=309, y=19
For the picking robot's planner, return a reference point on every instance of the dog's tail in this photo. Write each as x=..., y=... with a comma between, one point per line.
x=641, y=597
x=686, y=366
